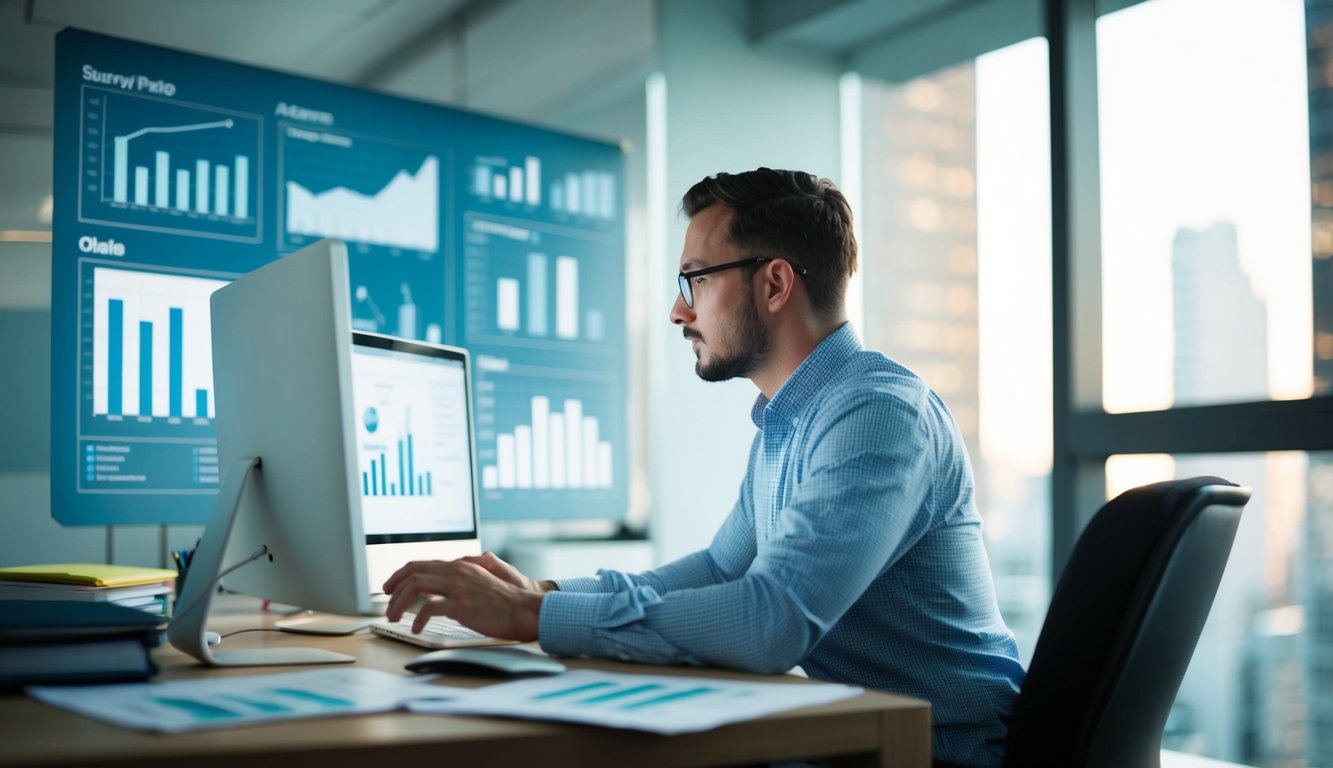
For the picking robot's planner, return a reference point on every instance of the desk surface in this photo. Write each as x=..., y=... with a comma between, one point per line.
x=871, y=729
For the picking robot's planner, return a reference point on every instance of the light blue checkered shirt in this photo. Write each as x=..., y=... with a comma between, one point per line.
x=854, y=551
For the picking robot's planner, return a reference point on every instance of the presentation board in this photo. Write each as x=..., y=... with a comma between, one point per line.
x=175, y=173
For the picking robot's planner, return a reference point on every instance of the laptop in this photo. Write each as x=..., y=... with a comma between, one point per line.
x=418, y=467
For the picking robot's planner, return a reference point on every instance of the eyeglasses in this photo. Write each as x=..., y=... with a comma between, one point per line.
x=687, y=288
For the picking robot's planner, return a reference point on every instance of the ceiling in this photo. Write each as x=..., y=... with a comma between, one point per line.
x=333, y=39
x=366, y=42
x=530, y=59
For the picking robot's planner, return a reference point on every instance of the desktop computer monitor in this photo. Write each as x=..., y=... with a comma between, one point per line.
x=416, y=454
x=332, y=445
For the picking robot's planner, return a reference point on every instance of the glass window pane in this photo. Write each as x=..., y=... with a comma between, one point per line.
x=956, y=268
x=1205, y=195
x=1261, y=664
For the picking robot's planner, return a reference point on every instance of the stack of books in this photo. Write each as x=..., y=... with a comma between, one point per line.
x=147, y=589
x=73, y=642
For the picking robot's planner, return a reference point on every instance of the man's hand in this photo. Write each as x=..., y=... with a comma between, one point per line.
x=508, y=573
x=482, y=593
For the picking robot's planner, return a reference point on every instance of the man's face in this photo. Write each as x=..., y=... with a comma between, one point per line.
x=724, y=326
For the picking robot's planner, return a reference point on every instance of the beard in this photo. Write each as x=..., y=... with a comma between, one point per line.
x=750, y=341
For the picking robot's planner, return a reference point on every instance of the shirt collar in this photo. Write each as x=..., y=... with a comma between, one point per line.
x=812, y=374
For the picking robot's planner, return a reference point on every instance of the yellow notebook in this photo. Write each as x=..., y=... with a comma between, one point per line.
x=88, y=574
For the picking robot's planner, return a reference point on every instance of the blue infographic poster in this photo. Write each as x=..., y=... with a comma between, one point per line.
x=176, y=173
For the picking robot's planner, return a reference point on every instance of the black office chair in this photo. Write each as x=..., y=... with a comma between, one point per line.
x=1122, y=626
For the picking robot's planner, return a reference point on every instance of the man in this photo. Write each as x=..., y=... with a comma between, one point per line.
x=855, y=548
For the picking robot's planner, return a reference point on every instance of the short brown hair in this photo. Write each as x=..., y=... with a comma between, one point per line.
x=789, y=214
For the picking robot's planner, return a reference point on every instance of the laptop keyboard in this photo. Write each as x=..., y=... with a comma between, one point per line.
x=438, y=629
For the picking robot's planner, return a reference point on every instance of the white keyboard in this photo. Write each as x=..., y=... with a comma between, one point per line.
x=440, y=632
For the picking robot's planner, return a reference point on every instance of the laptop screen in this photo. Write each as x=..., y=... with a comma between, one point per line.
x=414, y=441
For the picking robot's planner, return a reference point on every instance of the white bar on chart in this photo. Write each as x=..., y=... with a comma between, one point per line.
x=161, y=179
x=516, y=184
x=140, y=185
x=566, y=297
x=572, y=195
x=506, y=302
x=481, y=183
x=558, y=196
x=221, y=188
x=594, y=325
x=589, y=186
x=121, y=160
x=537, y=294
x=504, y=457
x=557, y=443
x=500, y=187
x=201, y=186
x=574, y=443
x=407, y=315
x=490, y=478
x=606, y=195
x=523, y=451
x=532, y=168
x=242, y=187
x=541, y=442
x=589, y=451
x=604, y=473
x=182, y=189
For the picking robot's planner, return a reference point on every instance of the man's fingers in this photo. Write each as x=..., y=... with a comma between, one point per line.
x=416, y=566
x=429, y=606
x=408, y=589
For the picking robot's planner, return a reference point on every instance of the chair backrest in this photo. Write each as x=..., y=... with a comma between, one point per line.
x=1122, y=626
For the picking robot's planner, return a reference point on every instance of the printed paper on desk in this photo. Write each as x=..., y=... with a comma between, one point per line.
x=659, y=704
x=223, y=702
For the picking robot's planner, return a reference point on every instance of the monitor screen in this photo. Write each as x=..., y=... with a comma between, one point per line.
x=414, y=441
x=176, y=173
x=416, y=453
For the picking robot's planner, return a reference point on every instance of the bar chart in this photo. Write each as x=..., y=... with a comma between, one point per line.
x=393, y=471
x=151, y=345
x=543, y=433
x=358, y=189
x=163, y=165
x=559, y=447
x=413, y=446
x=522, y=285
x=588, y=193
x=496, y=179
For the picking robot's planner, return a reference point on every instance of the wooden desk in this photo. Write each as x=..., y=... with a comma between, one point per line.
x=873, y=729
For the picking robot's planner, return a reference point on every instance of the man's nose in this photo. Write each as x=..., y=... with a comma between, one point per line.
x=681, y=314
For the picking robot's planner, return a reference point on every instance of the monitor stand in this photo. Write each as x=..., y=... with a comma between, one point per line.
x=186, y=631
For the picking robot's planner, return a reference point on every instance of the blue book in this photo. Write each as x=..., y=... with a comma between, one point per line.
x=74, y=642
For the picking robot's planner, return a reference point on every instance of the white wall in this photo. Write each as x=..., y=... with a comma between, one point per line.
x=729, y=107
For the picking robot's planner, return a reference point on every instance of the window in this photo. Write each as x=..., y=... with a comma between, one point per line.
x=1205, y=171
x=1216, y=342
x=956, y=267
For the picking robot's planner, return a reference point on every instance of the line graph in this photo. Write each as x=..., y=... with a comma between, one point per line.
x=359, y=189
x=157, y=164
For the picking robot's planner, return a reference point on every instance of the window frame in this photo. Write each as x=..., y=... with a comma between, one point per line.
x=1085, y=435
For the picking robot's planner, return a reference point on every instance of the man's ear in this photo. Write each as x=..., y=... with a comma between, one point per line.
x=779, y=283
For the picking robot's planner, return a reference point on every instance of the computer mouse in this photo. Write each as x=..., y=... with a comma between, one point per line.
x=486, y=662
